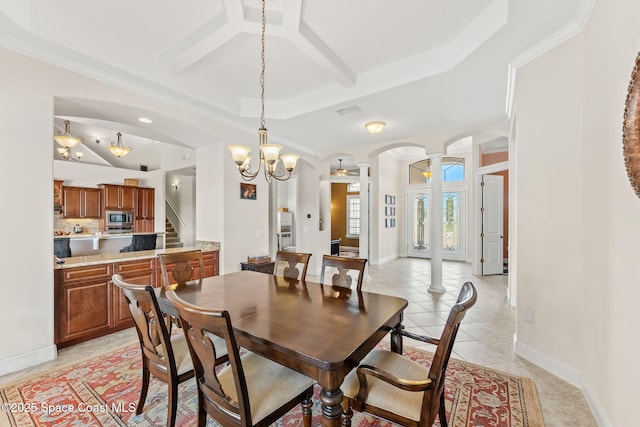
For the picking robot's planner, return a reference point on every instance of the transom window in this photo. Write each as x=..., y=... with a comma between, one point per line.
x=452, y=170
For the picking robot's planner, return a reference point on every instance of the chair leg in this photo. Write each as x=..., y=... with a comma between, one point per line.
x=145, y=386
x=347, y=412
x=202, y=412
x=306, y=409
x=173, y=403
x=442, y=413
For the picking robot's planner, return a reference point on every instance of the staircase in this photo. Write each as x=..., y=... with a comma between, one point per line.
x=172, y=240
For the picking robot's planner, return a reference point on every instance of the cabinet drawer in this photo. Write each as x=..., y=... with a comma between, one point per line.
x=89, y=272
x=135, y=266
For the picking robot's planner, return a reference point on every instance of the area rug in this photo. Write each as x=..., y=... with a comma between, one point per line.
x=104, y=391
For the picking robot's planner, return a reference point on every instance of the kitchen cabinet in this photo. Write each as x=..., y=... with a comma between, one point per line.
x=138, y=272
x=57, y=194
x=87, y=305
x=81, y=202
x=118, y=197
x=144, y=210
x=83, y=303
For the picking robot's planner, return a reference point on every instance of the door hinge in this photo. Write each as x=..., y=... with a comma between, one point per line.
x=481, y=209
x=481, y=234
x=482, y=184
x=481, y=260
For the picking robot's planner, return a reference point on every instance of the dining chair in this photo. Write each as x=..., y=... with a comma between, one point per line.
x=164, y=355
x=391, y=386
x=288, y=265
x=184, y=267
x=343, y=265
x=251, y=391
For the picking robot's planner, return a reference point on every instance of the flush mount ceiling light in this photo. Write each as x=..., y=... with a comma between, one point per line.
x=118, y=149
x=270, y=156
x=145, y=120
x=375, y=126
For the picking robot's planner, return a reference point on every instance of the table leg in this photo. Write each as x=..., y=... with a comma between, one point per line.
x=331, y=407
x=396, y=339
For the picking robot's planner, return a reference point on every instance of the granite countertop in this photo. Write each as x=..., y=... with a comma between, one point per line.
x=81, y=261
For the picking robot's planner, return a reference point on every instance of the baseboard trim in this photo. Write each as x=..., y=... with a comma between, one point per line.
x=384, y=260
x=567, y=374
x=26, y=360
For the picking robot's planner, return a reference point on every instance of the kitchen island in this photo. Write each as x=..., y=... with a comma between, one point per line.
x=87, y=305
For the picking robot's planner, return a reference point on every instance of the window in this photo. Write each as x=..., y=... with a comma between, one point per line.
x=353, y=216
x=452, y=170
x=353, y=187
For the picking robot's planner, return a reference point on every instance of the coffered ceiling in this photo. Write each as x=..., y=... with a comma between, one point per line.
x=425, y=67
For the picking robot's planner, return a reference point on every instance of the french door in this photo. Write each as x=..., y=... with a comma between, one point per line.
x=453, y=207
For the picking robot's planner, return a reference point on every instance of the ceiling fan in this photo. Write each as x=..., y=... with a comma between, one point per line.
x=345, y=172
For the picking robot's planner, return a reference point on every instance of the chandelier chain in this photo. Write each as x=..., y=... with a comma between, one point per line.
x=264, y=25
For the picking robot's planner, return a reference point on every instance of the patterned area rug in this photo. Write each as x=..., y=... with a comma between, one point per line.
x=104, y=392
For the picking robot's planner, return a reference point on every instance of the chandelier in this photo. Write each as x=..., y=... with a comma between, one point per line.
x=118, y=149
x=340, y=171
x=68, y=141
x=270, y=156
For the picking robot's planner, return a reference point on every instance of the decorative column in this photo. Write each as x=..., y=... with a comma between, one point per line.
x=435, y=224
x=364, y=210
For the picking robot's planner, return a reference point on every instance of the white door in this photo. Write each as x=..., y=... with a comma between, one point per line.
x=453, y=221
x=491, y=233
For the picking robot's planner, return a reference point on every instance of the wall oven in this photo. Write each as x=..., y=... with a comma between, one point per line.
x=119, y=221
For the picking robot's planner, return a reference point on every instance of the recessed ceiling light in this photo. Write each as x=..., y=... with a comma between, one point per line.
x=145, y=120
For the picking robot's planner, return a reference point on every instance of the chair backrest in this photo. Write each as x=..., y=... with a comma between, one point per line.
x=184, y=267
x=288, y=265
x=466, y=299
x=62, y=247
x=343, y=265
x=141, y=242
x=151, y=325
x=198, y=324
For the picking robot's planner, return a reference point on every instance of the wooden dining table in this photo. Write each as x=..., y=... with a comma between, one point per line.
x=321, y=331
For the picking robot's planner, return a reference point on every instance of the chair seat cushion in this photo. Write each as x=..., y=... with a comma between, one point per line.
x=269, y=384
x=180, y=353
x=383, y=395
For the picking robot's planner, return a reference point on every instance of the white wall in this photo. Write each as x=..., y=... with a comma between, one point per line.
x=578, y=228
x=388, y=182
x=246, y=222
x=26, y=121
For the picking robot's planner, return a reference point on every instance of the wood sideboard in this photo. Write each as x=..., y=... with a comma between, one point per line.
x=87, y=305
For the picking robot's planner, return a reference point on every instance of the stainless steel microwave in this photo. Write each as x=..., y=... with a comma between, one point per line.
x=118, y=218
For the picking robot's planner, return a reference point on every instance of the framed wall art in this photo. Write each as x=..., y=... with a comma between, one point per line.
x=248, y=191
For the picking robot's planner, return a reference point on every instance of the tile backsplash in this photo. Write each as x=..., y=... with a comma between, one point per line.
x=90, y=226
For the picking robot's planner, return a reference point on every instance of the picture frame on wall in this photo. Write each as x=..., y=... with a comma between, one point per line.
x=248, y=191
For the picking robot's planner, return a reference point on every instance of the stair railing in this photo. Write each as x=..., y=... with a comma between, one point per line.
x=174, y=217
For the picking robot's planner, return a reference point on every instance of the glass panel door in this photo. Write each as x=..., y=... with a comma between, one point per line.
x=453, y=223
x=418, y=230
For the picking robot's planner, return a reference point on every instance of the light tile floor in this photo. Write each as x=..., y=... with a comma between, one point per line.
x=486, y=334
x=485, y=337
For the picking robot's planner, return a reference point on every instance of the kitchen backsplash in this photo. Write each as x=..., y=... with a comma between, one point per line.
x=90, y=226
